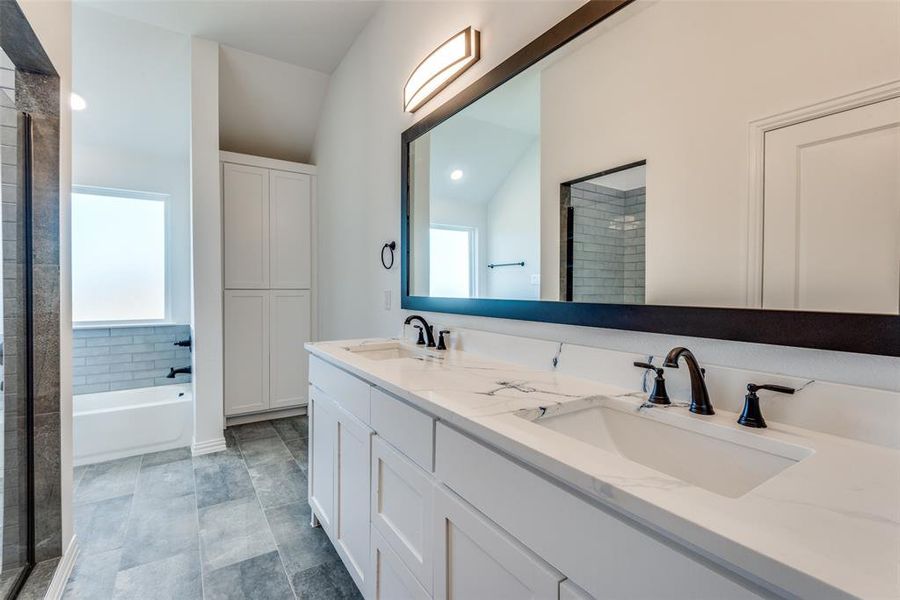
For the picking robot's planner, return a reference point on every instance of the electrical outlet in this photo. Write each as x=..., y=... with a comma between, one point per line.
x=387, y=299
x=536, y=279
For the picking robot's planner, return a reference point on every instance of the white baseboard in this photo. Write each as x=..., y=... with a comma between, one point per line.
x=266, y=416
x=208, y=447
x=63, y=571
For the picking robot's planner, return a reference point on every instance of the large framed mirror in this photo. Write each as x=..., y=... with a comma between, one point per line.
x=723, y=181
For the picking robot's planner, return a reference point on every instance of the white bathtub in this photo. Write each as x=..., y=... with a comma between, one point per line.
x=111, y=425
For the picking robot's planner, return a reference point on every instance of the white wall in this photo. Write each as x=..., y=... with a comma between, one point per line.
x=268, y=107
x=514, y=230
x=135, y=132
x=206, y=249
x=685, y=103
x=52, y=22
x=357, y=150
x=358, y=141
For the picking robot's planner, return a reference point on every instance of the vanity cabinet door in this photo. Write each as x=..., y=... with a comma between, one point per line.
x=391, y=580
x=402, y=508
x=476, y=559
x=323, y=428
x=245, y=193
x=246, y=357
x=351, y=537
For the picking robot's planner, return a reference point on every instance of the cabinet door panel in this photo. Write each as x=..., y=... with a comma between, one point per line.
x=476, y=559
x=288, y=366
x=402, y=501
x=391, y=580
x=246, y=351
x=322, y=455
x=246, y=226
x=290, y=249
x=353, y=477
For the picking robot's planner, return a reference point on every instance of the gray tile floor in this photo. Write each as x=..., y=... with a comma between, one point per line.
x=230, y=525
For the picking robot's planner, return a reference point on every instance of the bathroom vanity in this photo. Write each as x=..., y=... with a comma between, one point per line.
x=455, y=475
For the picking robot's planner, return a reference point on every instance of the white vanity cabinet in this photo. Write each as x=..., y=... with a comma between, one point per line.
x=267, y=245
x=417, y=509
x=476, y=559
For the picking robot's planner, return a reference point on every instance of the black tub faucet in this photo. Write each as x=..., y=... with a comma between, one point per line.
x=179, y=371
x=700, y=403
x=429, y=330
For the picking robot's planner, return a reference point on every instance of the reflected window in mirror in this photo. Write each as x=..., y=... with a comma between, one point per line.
x=453, y=251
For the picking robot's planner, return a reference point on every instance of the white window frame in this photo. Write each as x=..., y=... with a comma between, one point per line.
x=473, y=252
x=167, y=211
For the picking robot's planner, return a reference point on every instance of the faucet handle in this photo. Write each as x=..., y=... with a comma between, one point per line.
x=441, y=345
x=751, y=416
x=421, y=340
x=659, y=395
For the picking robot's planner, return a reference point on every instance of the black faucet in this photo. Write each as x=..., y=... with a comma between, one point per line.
x=751, y=416
x=429, y=330
x=179, y=371
x=700, y=403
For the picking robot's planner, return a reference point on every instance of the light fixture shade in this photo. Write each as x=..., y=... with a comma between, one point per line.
x=447, y=62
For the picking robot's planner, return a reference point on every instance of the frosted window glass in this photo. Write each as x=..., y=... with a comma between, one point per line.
x=118, y=258
x=451, y=261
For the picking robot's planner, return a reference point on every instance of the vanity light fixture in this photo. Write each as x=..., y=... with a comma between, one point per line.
x=76, y=102
x=447, y=62
x=456, y=174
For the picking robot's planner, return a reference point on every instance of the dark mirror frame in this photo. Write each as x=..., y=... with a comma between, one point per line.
x=847, y=332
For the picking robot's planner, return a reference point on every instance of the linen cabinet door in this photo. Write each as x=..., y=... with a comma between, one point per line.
x=390, y=579
x=289, y=226
x=288, y=367
x=402, y=509
x=246, y=351
x=351, y=538
x=323, y=429
x=245, y=197
x=476, y=559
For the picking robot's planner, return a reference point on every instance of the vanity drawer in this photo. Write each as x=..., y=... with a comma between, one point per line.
x=346, y=390
x=406, y=428
x=402, y=507
x=599, y=551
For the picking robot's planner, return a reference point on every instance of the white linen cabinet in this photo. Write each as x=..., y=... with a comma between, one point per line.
x=267, y=247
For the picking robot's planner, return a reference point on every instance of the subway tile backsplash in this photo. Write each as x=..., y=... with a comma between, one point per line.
x=123, y=358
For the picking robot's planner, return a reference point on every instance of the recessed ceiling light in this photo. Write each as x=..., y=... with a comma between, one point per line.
x=456, y=174
x=76, y=102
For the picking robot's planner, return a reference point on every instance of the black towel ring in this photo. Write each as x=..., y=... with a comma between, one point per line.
x=389, y=246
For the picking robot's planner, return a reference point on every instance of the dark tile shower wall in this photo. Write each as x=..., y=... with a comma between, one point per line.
x=124, y=358
x=608, y=244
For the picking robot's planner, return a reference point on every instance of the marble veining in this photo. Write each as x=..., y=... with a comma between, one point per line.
x=840, y=488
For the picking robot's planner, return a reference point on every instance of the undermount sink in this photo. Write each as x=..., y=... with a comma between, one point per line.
x=387, y=351
x=712, y=456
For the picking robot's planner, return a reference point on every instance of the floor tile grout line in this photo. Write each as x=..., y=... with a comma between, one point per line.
x=268, y=525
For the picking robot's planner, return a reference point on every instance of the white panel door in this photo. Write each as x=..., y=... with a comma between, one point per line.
x=832, y=212
x=246, y=226
x=246, y=351
x=351, y=537
x=322, y=457
x=288, y=366
x=289, y=218
x=390, y=579
x=476, y=559
x=402, y=500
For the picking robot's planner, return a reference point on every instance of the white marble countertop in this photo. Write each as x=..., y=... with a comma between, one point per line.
x=825, y=527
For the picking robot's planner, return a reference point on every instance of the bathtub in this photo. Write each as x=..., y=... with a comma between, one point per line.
x=109, y=425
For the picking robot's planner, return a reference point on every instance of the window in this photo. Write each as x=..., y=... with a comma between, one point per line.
x=452, y=261
x=119, y=256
